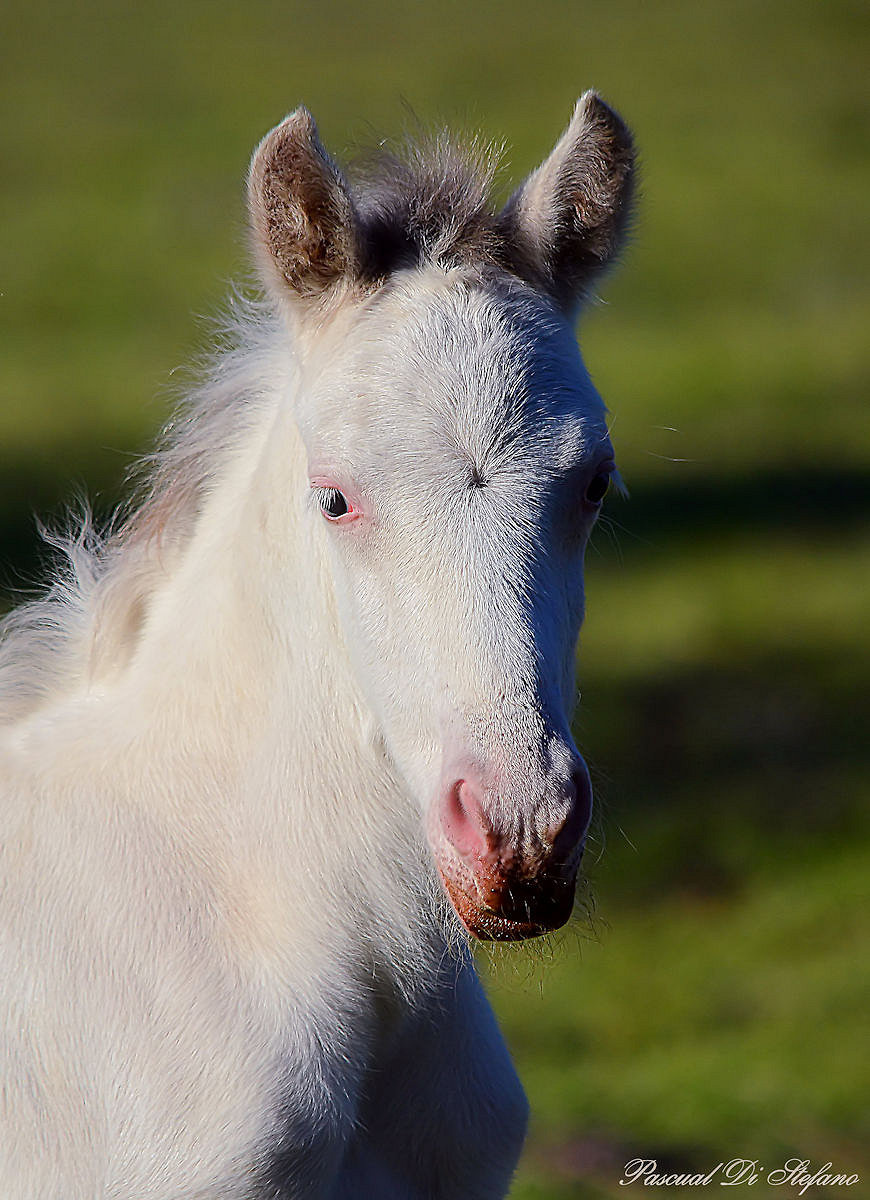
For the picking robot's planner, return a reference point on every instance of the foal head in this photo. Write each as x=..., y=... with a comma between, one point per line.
x=458, y=454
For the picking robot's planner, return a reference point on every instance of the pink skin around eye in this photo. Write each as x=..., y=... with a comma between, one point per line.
x=354, y=507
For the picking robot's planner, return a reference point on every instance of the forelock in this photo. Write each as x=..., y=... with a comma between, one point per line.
x=428, y=202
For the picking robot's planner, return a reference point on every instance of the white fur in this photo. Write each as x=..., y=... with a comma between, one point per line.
x=223, y=940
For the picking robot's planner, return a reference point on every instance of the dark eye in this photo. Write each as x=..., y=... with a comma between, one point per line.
x=332, y=503
x=597, y=489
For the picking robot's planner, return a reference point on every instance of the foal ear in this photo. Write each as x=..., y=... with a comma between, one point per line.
x=301, y=211
x=568, y=221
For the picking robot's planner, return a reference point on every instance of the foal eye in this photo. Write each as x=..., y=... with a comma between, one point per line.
x=332, y=503
x=597, y=489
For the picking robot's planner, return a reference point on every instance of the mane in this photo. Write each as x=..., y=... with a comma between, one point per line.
x=429, y=202
x=87, y=621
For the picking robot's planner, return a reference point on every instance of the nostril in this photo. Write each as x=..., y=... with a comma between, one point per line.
x=464, y=824
x=578, y=792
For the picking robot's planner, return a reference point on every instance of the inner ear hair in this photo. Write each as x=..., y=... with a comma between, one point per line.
x=565, y=225
x=301, y=211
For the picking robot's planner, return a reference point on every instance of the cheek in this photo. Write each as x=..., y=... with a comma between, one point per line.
x=399, y=691
x=576, y=608
x=563, y=602
x=565, y=619
x=383, y=640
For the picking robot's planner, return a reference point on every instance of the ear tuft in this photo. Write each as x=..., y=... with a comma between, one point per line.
x=568, y=221
x=301, y=211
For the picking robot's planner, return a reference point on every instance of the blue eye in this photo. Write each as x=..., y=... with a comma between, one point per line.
x=332, y=503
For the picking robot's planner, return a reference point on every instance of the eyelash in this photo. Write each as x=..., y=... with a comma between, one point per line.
x=330, y=499
x=334, y=503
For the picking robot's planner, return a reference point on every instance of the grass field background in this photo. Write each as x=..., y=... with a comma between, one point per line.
x=716, y=1007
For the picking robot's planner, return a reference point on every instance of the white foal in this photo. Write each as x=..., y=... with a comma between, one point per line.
x=273, y=753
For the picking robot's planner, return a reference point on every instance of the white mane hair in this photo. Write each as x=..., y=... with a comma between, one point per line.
x=86, y=623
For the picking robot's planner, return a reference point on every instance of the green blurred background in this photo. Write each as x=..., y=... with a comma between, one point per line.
x=717, y=1003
